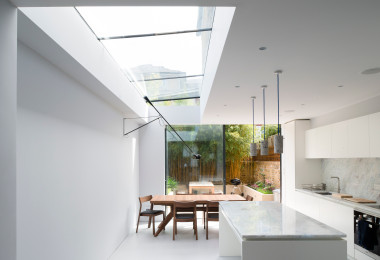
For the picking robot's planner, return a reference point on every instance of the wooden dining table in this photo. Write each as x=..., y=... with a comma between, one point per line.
x=168, y=200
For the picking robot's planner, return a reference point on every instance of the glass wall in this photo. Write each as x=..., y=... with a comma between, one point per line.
x=190, y=175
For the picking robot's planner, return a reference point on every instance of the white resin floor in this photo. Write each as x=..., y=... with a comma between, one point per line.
x=144, y=246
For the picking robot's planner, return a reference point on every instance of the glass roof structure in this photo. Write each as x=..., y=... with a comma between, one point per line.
x=162, y=50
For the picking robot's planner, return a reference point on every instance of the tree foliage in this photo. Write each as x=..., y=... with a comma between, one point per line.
x=238, y=139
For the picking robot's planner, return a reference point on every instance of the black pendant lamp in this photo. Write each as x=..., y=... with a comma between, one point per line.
x=264, y=143
x=278, y=139
x=253, y=150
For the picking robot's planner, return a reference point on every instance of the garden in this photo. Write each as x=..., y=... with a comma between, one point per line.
x=259, y=173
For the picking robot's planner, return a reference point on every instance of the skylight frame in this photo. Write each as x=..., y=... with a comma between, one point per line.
x=203, y=54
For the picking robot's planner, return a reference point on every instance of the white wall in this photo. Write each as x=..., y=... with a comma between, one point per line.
x=77, y=175
x=367, y=107
x=74, y=48
x=179, y=115
x=296, y=170
x=221, y=25
x=287, y=164
x=8, y=110
x=152, y=159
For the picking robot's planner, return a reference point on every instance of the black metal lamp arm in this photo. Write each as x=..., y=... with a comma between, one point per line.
x=195, y=156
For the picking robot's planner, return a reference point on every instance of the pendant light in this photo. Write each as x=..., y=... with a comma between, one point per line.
x=278, y=139
x=264, y=143
x=253, y=150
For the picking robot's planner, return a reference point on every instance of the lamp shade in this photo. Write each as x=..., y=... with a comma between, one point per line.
x=278, y=143
x=253, y=149
x=235, y=181
x=264, y=147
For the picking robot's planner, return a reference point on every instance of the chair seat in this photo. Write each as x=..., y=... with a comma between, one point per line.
x=151, y=212
x=213, y=215
x=184, y=216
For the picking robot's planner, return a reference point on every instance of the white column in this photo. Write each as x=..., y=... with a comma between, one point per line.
x=8, y=109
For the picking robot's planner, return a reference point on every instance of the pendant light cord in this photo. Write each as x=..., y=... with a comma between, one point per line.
x=264, y=109
x=278, y=103
x=253, y=121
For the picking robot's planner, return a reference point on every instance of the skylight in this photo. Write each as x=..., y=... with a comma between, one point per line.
x=162, y=50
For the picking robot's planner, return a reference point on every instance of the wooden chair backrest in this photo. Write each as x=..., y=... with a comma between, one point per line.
x=191, y=205
x=249, y=198
x=212, y=204
x=145, y=199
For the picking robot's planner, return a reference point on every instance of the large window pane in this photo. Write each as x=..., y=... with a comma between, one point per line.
x=207, y=140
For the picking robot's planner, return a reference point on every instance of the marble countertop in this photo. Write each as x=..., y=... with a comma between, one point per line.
x=356, y=206
x=265, y=220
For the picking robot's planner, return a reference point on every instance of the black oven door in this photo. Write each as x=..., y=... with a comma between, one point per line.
x=367, y=234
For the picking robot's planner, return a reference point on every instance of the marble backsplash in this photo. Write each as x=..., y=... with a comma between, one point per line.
x=358, y=177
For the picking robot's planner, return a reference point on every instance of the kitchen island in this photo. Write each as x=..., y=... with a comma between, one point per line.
x=270, y=230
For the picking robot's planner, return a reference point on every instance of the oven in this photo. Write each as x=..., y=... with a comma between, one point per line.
x=367, y=234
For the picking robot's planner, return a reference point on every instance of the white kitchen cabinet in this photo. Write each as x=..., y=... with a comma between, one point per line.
x=374, y=135
x=332, y=214
x=354, y=138
x=307, y=205
x=339, y=140
x=339, y=217
x=360, y=256
x=318, y=142
x=311, y=143
x=358, y=137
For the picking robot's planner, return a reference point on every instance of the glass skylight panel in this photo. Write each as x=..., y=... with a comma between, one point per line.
x=166, y=56
x=173, y=88
x=162, y=50
x=129, y=20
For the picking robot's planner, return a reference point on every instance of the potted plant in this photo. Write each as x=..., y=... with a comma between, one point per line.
x=171, y=185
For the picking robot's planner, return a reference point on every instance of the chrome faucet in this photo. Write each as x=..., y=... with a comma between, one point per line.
x=334, y=177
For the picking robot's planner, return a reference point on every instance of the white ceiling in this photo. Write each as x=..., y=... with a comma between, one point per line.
x=318, y=44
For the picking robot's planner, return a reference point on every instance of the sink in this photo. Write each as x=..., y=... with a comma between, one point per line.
x=324, y=193
x=374, y=206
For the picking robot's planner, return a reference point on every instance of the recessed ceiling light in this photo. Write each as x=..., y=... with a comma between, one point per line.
x=302, y=104
x=371, y=71
x=340, y=86
x=237, y=86
x=263, y=48
x=225, y=105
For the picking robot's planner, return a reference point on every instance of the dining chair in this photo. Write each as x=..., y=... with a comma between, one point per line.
x=249, y=198
x=212, y=213
x=184, y=212
x=151, y=213
x=199, y=207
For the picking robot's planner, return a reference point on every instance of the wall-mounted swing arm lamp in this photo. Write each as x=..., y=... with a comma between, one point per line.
x=125, y=134
x=194, y=155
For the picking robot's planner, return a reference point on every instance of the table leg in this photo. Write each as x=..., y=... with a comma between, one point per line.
x=164, y=223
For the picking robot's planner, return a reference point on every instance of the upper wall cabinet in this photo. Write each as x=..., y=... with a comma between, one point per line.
x=358, y=137
x=374, y=134
x=318, y=142
x=339, y=140
x=354, y=138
